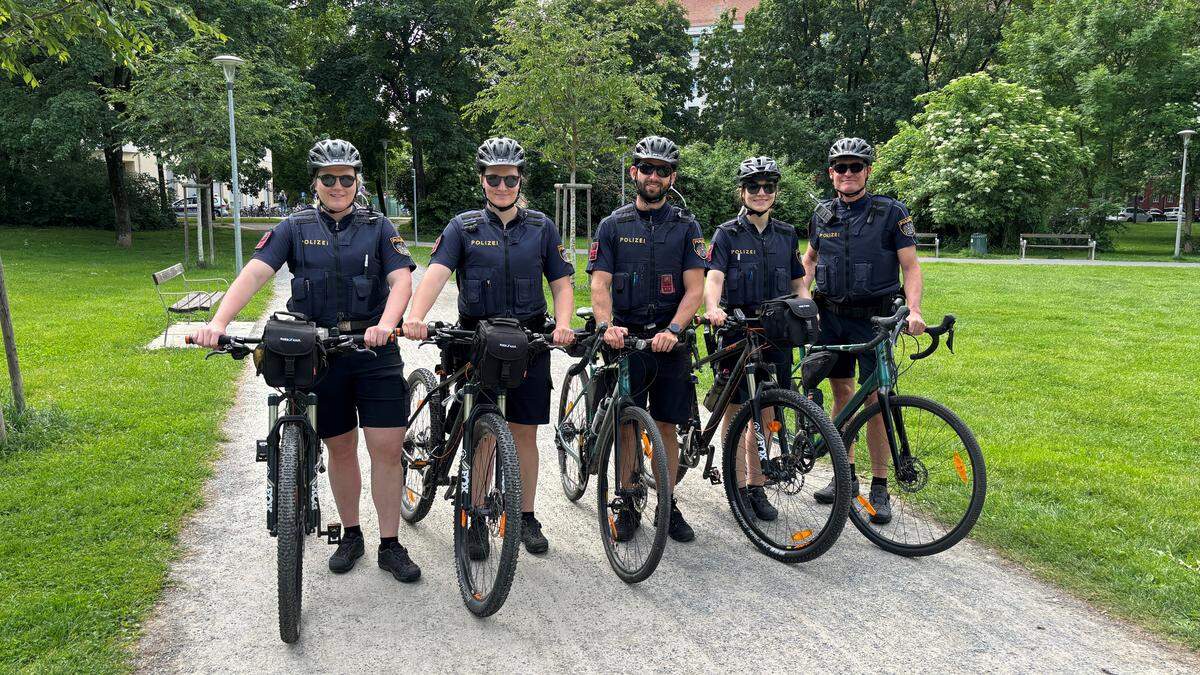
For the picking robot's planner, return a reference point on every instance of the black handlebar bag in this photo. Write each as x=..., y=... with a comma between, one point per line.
x=290, y=354
x=501, y=353
x=789, y=322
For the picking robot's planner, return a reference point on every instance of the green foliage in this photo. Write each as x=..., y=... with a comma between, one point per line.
x=73, y=192
x=563, y=83
x=707, y=179
x=983, y=156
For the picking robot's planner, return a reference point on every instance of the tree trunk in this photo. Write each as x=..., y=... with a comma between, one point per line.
x=212, y=244
x=116, y=190
x=10, y=351
x=162, y=185
x=203, y=218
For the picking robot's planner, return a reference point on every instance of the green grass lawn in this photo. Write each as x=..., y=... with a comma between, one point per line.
x=94, y=487
x=1148, y=242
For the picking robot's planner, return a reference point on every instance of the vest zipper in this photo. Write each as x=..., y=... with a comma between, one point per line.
x=507, y=282
x=337, y=273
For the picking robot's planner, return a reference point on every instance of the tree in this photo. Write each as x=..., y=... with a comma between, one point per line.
x=955, y=37
x=707, y=179
x=984, y=154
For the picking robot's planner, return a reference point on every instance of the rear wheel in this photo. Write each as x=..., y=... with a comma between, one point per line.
x=634, y=501
x=289, y=527
x=570, y=436
x=487, y=517
x=422, y=442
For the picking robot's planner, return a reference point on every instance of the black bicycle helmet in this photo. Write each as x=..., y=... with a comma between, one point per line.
x=758, y=167
x=333, y=152
x=852, y=147
x=500, y=151
x=657, y=147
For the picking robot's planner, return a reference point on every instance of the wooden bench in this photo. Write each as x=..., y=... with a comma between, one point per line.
x=191, y=299
x=931, y=239
x=1064, y=241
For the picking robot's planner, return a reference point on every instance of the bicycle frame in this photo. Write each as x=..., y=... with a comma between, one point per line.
x=617, y=401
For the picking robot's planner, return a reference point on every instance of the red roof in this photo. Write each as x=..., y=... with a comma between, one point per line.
x=706, y=12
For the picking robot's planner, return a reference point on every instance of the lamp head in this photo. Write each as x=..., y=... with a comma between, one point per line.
x=1186, y=135
x=229, y=64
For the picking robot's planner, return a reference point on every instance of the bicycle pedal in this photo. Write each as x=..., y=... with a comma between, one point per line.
x=260, y=451
x=332, y=533
x=713, y=476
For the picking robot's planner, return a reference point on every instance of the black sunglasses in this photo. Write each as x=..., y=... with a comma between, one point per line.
x=856, y=167
x=509, y=181
x=753, y=188
x=328, y=179
x=647, y=168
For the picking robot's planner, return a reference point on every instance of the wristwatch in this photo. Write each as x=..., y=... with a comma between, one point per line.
x=675, y=329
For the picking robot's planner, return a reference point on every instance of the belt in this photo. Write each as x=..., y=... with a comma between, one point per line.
x=354, y=326
x=856, y=311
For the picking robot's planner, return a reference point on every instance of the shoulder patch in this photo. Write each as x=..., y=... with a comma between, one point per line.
x=400, y=246
x=708, y=257
x=594, y=251
x=437, y=242
x=906, y=226
x=698, y=246
x=263, y=242
x=562, y=253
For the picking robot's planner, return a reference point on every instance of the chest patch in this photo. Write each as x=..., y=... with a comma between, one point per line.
x=485, y=242
x=666, y=284
x=829, y=235
x=632, y=240
x=316, y=242
x=399, y=245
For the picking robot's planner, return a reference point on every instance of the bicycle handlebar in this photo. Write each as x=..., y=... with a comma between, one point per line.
x=935, y=332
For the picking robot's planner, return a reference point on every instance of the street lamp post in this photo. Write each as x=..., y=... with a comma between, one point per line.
x=1186, y=134
x=416, y=239
x=384, y=142
x=229, y=64
x=623, y=171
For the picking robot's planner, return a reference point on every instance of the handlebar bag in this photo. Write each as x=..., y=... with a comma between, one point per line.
x=290, y=354
x=501, y=353
x=789, y=322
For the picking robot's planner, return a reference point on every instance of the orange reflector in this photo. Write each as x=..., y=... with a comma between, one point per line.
x=774, y=426
x=612, y=526
x=477, y=595
x=418, y=464
x=962, y=468
x=646, y=444
x=866, y=505
x=412, y=496
x=570, y=407
x=420, y=402
x=464, y=518
x=802, y=535
x=503, y=521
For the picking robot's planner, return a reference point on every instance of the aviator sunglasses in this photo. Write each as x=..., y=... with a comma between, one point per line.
x=754, y=188
x=856, y=167
x=509, y=181
x=647, y=168
x=328, y=179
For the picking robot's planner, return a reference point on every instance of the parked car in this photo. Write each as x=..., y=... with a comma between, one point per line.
x=1172, y=214
x=1126, y=216
x=1155, y=214
x=220, y=207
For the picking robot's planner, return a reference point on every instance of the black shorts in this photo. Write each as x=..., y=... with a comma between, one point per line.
x=665, y=378
x=780, y=358
x=359, y=389
x=528, y=403
x=840, y=330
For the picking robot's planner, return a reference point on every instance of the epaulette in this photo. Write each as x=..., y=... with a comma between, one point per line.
x=534, y=218
x=625, y=214
x=471, y=220
x=730, y=225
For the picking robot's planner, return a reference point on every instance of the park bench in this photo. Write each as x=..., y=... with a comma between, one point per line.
x=1064, y=241
x=197, y=296
x=930, y=239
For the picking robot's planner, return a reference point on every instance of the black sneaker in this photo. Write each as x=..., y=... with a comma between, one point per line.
x=757, y=497
x=628, y=522
x=825, y=494
x=348, y=551
x=394, y=558
x=882, y=503
x=531, y=534
x=477, y=539
x=679, y=529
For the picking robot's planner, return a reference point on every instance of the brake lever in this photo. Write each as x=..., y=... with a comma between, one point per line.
x=215, y=352
x=950, y=340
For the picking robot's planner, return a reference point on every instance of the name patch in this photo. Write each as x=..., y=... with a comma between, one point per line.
x=484, y=242
x=316, y=242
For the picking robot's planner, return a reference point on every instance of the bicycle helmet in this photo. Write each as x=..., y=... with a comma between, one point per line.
x=657, y=147
x=852, y=147
x=500, y=151
x=758, y=167
x=333, y=152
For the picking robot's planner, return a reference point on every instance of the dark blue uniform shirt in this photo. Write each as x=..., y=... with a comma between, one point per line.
x=757, y=266
x=856, y=248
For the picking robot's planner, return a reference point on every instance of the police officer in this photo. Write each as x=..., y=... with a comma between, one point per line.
x=753, y=258
x=855, y=255
x=647, y=276
x=351, y=272
x=500, y=254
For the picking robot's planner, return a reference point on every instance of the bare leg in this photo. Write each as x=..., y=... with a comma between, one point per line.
x=345, y=481
x=527, y=454
x=386, y=447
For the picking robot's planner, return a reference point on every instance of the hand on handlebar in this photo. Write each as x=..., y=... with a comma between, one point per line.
x=916, y=324
x=664, y=341
x=208, y=335
x=715, y=316
x=377, y=336
x=415, y=330
x=615, y=336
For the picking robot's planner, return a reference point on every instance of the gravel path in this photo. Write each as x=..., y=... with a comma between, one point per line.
x=713, y=605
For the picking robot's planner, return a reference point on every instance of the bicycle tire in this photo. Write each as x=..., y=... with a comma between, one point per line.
x=642, y=567
x=883, y=537
x=289, y=528
x=508, y=522
x=574, y=479
x=419, y=442
x=798, y=540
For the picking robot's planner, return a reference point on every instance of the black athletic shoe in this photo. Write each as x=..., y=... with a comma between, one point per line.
x=882, y=503
x=628, y=522
x=348, y=551
x=825, y=494
x=757, y=497
x=477, y=539
x=679, y=529
x=531, y=534
x=394, y=558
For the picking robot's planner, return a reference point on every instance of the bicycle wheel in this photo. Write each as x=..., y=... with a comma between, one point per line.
x=289, y=528
x=804, y=451
x=938, y=496
x=421, y=444
x=487, y=518
x=634, y=510
x=570, y=436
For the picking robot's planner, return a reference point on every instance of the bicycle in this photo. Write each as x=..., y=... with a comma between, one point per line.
x=487, y=490
x=611, y=431
x=941, y=493
x=293, y=453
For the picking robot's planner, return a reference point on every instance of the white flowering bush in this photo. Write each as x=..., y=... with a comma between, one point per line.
x=984, y=155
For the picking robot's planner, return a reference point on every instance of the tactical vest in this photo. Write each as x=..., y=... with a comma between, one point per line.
x=338, y=276
x=758, y=267
x=647, y=284
x=502, y=267
x=853, y=263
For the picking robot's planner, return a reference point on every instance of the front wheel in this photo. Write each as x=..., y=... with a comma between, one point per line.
x=289, y=527
x=487, y=517
x=772, y=499
x=633, y=495
x=422, y=444
x=570, y=435
x=938, y=491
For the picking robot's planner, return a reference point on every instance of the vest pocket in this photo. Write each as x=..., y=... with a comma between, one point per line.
x=622, y=291
x=308, y=297
x=782, y=282
x=361, y=300
x=862, y=277
x=733, y=287
x=473, y=300
x=524, y=291
x=822, y=277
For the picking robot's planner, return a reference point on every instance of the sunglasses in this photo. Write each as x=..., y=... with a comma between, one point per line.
x=856, y=167
x=754, y=188
x=328, y=179
x=646, y=168
x=509, y=181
